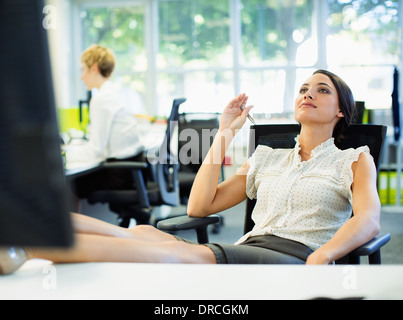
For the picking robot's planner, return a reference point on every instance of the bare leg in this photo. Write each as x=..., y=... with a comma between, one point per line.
x=98, y=241
x=95, y=248
x=87, y=225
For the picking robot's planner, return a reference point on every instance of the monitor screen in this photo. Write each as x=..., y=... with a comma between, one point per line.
x=33, y=198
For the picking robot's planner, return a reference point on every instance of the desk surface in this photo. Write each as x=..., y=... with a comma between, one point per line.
x=39, y=279
x=84, y=167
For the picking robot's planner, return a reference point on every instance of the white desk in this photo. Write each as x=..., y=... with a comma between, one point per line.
x=82, y=169
x=40, y=279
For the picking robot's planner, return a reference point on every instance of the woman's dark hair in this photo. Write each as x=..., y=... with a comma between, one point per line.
x=346, y=102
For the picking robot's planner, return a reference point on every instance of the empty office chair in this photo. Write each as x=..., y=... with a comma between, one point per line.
x=155, y=181
x=283, y=136
x=196, y=134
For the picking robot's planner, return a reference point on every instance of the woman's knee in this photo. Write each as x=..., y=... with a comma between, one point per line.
x=143, y=228
x=150, y=233
x=182, y=252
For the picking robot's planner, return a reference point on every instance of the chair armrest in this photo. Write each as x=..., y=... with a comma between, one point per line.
x=186, y=223
x=124, y=165
x=372, y=246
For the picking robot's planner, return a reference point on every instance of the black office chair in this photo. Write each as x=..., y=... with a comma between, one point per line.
x=283, y=136
x=81, y=104
x=196, y=134
x=160, y=187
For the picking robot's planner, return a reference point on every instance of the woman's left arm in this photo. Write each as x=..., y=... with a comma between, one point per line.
x=364, y=225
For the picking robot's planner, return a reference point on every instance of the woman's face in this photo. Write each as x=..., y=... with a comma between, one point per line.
x=88, y=76
x=318, y=102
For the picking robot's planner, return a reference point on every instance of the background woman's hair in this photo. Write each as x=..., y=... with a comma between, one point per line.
x=346, y=102
x=101, y=56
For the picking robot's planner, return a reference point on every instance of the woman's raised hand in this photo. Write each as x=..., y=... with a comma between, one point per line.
x=233, y=118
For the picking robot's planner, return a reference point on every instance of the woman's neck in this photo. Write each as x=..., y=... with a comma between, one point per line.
x=310, y=138
x=100, y=81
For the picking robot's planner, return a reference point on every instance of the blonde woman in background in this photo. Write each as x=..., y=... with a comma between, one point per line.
x=114, y=131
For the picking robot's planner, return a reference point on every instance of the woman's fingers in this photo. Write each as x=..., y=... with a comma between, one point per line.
x=234, y=116
x=238, y=101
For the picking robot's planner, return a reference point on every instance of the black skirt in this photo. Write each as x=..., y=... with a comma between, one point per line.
x=261, y=250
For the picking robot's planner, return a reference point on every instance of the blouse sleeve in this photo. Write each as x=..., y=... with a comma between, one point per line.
x=353, y=157
x=255, y=162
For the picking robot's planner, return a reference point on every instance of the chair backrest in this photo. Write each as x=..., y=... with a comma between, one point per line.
x=358, y=112
x=283, y=137
x=196, y=134
x=167, y=164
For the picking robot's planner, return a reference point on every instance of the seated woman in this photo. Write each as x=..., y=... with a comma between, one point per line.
x=114, y=131
x=299, y=218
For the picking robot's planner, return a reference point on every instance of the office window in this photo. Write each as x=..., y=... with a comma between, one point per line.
x=194, y=54
x=206, y=91
x=210, y=50
x=277, y=38
x=194, y=34
x=363, y=32
x=266, y=90
x=363, y=45
x=274, y=31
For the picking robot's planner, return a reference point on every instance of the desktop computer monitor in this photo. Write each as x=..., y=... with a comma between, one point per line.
x=33, y=197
